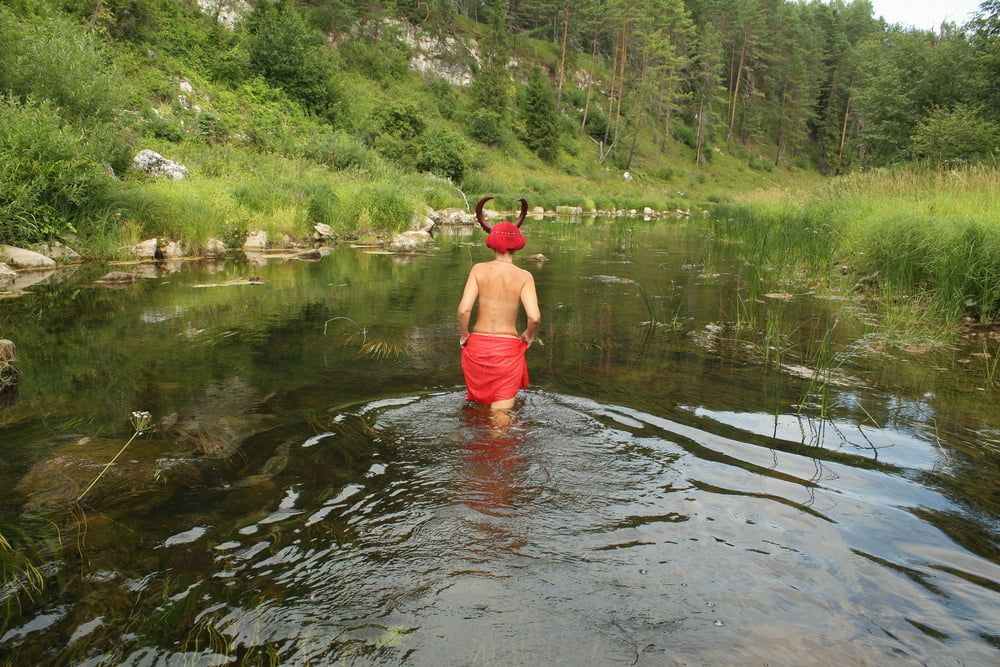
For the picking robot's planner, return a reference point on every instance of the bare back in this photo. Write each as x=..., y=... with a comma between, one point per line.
x=500, y=288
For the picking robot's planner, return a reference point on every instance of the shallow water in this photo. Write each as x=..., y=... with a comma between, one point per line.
x=316, y=489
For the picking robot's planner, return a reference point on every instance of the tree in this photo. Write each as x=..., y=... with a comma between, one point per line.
x=538, y=117
x=488, y=94
x=706, y=86
x=957, y=133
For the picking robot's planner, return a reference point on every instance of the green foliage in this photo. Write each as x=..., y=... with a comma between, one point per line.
x=289, y=54
x=486, y=126
x=401, y=119
x=50, y=58
x=383, y=59
x=958, y=133
x=538, y=117
x=50, y=178
x=443, y=152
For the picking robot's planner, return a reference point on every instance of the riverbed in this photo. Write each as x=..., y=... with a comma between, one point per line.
x=698, y=474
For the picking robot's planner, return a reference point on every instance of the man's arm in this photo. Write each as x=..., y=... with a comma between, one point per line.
x=469, y=296
x=529, y=299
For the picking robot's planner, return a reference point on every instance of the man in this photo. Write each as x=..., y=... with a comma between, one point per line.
x=493, y=354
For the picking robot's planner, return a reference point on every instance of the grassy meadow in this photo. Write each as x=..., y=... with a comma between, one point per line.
x=924, y=242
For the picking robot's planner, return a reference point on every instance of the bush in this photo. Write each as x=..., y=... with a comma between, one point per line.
x=684, y=134
x=958, y=133
x=443, y=153
x=597, y=124
x=486, y=126
x=384, y=59
x=401, y=119
x=54, y=60
x=50, y=178
x=292, y=56
x=444, y=97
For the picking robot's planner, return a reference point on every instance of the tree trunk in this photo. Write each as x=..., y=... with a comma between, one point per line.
x=590, y=85
x=562, y=57
x=843, y=130
x=699, y=156
x=621, y=79
x=736, y=91
x=782, y=131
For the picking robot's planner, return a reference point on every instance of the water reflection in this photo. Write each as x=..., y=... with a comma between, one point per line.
x=668, y=491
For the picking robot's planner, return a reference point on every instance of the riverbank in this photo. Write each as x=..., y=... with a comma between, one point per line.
x=923, y=243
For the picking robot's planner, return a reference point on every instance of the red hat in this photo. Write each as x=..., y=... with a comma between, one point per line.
x=504, y=236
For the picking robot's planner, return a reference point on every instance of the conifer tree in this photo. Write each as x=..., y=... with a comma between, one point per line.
x=538, y=117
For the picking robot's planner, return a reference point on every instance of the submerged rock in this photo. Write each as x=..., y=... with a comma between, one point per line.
x=537, y=258
x=155, y=164
x=27, y=260
x=118, y=278
x=311, y=254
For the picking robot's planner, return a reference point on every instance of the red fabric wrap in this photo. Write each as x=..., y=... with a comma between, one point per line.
x=494, y=367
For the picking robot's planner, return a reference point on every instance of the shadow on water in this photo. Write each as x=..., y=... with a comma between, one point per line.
x=660, y=497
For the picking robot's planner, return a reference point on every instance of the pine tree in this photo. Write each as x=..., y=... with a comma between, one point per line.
x=538, y=116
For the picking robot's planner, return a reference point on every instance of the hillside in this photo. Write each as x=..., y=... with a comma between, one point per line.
x=357, y=114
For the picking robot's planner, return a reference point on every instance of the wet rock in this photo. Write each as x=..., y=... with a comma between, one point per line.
x=537, y=258
x=648, y=212
x=256, y=240
x=155, y=164
x=57, y=251
x=167, y=249
x=118, y=278
x=456, y=216
x=213, y=248
x=778, y=296
x=324, y=232
x=537, y=210
x=410, y=242
x=26, y=260
x=145, y=250
x=422, y=223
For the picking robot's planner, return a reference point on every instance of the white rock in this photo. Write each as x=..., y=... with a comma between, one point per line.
x=256, y=240
x=410, y=241
x=213, y=248
x=323, y=231
x=537, y=210
x=57, y=251
x=155, y=164
x=648, y=212
x=167, y=249
x=185, y=86
x=20, y=258
x=227, y=12
x=145, y=250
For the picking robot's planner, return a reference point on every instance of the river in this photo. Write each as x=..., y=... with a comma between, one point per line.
x=698, y=474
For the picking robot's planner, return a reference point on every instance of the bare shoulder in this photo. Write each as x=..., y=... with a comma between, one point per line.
x=527, y=276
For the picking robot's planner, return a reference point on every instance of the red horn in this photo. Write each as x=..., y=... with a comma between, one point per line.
x=479, y=214
x=524, y=210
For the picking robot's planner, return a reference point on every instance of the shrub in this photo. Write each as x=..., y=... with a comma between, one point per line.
x=54, y=60
x=597, y=124
x=292, y=56
x=401, y=119
x=486, y=126
x=958, y=133
x=443, y=153
x=384, y=59
x=50, y=178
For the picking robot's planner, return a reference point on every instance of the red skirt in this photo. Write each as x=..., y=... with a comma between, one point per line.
x=494, y=367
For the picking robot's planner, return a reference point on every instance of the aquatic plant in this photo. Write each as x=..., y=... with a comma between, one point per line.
x=141, y=421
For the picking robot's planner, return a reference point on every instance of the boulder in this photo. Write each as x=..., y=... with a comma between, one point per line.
x=23, y=259
x=185, y=86
x=648, y=212
x=537, y=210
x=256, y=240
x=537, y=258
x=410, y=242
x=9, y=372
x=167, y=249
x=145, y=249
x=456, y=216
x=213, y=248
x=57, y=251
x=155, y=164
x=421, y=223
x=324, y=232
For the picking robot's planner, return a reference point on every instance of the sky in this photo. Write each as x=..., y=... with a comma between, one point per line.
x=926, y=14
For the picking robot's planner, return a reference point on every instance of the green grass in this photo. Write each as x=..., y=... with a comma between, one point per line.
x=927, y=241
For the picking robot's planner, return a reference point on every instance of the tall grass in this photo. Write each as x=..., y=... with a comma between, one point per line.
x=913, y=231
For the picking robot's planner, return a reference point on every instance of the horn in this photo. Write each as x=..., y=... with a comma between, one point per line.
x=524, y=210
x=479, y=214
